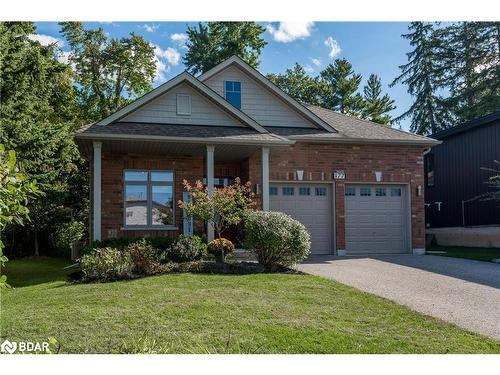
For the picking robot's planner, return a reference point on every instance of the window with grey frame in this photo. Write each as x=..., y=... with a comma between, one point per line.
x=149, y=198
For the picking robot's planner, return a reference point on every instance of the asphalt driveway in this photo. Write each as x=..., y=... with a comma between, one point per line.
x=461, y=291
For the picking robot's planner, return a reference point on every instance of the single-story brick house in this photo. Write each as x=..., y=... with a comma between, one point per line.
x=356, y=185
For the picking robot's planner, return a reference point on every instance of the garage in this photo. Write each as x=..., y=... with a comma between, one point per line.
x=311, y=204
x=376, y=219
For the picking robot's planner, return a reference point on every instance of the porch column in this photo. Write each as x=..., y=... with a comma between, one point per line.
x=97, y=191
x=265, y=178
x=210, y=185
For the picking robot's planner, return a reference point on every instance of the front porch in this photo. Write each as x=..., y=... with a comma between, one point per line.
x=125, y=204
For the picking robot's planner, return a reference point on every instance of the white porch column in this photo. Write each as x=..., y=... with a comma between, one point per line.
x=265, y=178
x=97, y=191
x=210, y=185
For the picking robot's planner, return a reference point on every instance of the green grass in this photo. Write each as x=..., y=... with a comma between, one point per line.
x=194, y=313
x=476, y=253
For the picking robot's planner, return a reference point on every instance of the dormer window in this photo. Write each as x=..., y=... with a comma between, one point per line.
x=183, y=104
x=233, y=93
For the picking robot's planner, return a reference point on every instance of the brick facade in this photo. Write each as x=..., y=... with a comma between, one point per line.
x=398, y=164
x=402, y=164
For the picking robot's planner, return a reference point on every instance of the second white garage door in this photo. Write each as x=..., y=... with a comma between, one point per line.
x=311, y=204
x=376, y=219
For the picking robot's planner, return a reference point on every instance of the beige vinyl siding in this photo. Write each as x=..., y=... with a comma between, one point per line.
x=163, y=110
x=258, y=102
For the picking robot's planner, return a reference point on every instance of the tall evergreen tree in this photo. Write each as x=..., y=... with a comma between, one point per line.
x=109, y=72
x=376, y=106
x=470, y=55
x=424, y=74
x=340, y=85
x=211, y=43
x=298, y=84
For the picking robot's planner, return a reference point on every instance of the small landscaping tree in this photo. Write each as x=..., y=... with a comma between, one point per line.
x=14, y=192
x=226, y=206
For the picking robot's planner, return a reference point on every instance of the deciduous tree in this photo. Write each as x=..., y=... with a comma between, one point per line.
x=213, y=42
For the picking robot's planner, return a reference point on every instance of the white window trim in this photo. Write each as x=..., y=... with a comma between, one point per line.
x=149, y=213
x=188, y=113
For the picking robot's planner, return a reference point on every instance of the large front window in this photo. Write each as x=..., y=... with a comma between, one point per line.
x=149, y=198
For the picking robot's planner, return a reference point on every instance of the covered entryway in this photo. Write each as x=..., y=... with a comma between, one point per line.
x=311, y=204
x=376, y=219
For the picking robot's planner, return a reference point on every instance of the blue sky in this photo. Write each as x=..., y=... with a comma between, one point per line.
x=371, y=47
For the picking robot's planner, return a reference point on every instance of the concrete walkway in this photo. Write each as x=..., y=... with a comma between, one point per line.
x=461, y=291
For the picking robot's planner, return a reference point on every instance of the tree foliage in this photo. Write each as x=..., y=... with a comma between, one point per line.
x=453, y=73
x=226, y=206
x=109, y=72
x=39, y=112
x=470, y=54
x=376, y=107
x=15, y=189
x=213, y=42
x=424, y=75
x=341, y=84
x=298, y=84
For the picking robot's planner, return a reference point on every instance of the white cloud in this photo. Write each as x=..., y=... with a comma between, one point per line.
x=46, y=40
x=179, y=38
x=165, y=59
x=316, y=62
x=149, y=28
x=290, y=31
x=333, y=46
x=170, y=54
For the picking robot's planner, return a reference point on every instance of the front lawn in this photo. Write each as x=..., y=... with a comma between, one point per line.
x=476, y=253
x=195, y=313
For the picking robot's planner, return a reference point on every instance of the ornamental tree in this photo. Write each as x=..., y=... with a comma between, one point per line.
x=226, y=206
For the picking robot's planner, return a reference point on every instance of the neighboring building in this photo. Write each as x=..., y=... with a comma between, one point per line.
x=357, y=186
x=455, y=173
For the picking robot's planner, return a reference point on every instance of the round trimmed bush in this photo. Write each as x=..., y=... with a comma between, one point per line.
x=276, y=239
x=220, y=248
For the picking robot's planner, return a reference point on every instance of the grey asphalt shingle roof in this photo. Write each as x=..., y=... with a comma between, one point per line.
x=176, y=130
x=349, y=129
x=353, y=128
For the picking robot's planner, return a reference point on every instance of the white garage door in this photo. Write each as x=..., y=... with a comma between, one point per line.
x=312, y=206
x=375, y=219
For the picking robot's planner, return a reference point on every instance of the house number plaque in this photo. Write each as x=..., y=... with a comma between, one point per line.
x=339, y=175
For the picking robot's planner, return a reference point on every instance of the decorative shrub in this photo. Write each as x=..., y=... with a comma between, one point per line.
x=159, y=243
x=144, y=256
x=220, y=248
x=187, y=249
x=107, y=264
x=276, y=239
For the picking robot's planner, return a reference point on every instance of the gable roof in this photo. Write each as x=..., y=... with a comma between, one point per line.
x=466, y=126
x=183, y=77
x=240, y=63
